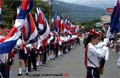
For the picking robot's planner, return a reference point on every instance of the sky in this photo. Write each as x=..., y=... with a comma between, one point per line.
x=93, y=3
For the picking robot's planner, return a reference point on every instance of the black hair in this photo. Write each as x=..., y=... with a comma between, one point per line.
x=89, y=38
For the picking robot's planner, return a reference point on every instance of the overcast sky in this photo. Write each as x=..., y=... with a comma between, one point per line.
x=93, y=3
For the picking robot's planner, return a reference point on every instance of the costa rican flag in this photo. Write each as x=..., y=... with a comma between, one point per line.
x=72, y=28
x=62, y=26
x=29, y=30
x=8, y=42
x=42, y=25
x=57, y=37
x=114, y=22
x=66, y=29
x=56, y=23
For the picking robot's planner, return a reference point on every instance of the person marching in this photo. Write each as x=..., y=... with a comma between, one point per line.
x=103, y=45
x=40, y=54
x=51, y=46
x=92, y=55
x=31, y=56
x=23, y=56
x=64, y=40
x=61, y=44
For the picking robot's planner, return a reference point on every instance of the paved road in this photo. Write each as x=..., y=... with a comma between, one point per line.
x=71, y=65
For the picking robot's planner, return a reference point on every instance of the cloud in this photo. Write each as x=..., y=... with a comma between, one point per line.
x=93, y=3
x=89, y=1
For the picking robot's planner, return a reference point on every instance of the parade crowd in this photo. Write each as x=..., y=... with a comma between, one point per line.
x=37, y=42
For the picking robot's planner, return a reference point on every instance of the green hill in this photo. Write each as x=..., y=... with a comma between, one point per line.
x=76, y=13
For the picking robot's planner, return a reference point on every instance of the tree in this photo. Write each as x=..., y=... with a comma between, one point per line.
x=90, y=24
x=10, y=8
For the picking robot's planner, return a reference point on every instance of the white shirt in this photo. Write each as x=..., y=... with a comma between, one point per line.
x=51, y=37
x=93, y=55
x=68, y=37
x=65, y=38
x=29, y=46
x=102, y=45
x=105, y=48
x=61, y=38
x=19, y=42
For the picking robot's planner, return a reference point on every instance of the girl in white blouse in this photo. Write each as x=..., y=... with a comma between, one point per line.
x=92, y=55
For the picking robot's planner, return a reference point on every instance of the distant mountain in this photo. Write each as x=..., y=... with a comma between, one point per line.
x=77, y=13
x=103, y=5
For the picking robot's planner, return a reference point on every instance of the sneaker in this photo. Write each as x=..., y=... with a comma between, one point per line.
x=35, y=69
x=59, y=53
x=40, y=63
x=37, y=64
x=19, y=75
x=48, y=58
x=51, y=57
x=26, y=73
x=32, y=66
x=29, y=70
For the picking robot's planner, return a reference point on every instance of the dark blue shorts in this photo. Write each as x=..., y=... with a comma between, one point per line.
x=23, y=56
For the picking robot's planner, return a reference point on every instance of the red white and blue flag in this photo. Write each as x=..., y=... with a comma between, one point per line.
x=114, y=23
x=42, y=25
x=72, y=28
x=66, y=29
x=62, y=26
x=8, y=42
x=29, y=30
x=56, y=23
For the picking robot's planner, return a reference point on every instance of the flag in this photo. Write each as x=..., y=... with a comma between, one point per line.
x=40, y=21
x=57, y=37
x=66, y=29
x=42, y=25
x=62, y=25
x=26, y=7
x=114, y=23
x=72, y=28
x=31, y=30
x=8, y=42
x=56, y=23
x=26, y=28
